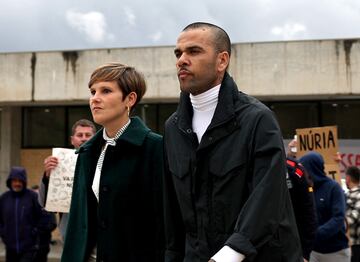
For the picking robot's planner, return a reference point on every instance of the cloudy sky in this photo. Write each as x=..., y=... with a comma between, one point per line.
x=39, y=25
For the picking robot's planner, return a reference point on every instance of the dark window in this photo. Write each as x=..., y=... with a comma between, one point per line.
x=44, y=127
x=51, y=126
x=148, y=113
x=293, y=115
x=344, y=114
x=155, y=115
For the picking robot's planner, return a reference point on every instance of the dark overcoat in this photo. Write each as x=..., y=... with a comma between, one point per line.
x=229, y=189
x=127, y=223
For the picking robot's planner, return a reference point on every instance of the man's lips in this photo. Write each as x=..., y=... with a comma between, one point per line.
x=183, y=73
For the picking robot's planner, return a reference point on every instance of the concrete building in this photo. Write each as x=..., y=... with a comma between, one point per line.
x=306, y=83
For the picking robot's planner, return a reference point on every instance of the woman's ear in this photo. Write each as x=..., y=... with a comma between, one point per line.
x=131, y=99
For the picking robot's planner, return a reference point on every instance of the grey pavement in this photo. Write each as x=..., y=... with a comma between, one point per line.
x=54, y=255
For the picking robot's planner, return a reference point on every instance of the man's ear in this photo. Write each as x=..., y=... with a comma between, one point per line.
x=223, y=61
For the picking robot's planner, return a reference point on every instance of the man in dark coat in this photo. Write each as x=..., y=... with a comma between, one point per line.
x=226, y=197
x=19, y=218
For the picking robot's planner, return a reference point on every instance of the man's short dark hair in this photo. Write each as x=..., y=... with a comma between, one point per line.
x=354, y=173
x=221, y=38
x=85, y=123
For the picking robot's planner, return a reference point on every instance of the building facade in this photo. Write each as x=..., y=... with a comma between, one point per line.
x=306, y=83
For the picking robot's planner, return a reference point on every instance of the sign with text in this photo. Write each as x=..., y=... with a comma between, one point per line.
x=350, y=153
x=323, y=140
x=61, y=181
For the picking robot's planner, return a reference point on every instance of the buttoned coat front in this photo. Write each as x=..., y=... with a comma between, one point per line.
x=127, y=223
x=229, y=189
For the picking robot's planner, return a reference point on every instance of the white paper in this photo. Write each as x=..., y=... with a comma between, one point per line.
x=61, y=181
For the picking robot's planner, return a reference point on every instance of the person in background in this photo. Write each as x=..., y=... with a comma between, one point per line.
x=352, y=178
x=331, y=243
x=46, y=225
x=226, y=197
x=81, y=131
x=292, y=148
x=20, y=214
x=116, y=211
x=302, y=198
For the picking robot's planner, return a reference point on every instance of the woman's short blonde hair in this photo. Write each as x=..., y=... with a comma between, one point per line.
x=127, y=77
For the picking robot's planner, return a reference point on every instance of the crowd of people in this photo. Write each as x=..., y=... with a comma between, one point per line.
x=219, y=186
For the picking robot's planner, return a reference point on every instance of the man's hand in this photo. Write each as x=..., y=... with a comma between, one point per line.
x=211, y=260
x=49, y=164
x=337, y=157
x=305, y=260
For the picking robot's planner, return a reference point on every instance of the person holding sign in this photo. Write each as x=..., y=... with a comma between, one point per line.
x=116, y=208
x=331, y=243
x=81, y=131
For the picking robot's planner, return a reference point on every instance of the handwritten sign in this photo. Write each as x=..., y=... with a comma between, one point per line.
x=61, y=181
x=323, y=140
x=350, y=153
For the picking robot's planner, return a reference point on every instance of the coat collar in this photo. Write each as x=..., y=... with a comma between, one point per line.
x=135, y=134
x=224, y=111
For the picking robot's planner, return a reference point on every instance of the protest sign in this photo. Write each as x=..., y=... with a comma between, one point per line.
x=61, y=181
x=323, y=140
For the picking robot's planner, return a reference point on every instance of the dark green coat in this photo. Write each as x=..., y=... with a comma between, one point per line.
x=127, y=224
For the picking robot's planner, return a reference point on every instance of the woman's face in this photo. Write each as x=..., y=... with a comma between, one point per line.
x=107, y=105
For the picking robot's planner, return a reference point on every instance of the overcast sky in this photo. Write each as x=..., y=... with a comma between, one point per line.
x=40, y=25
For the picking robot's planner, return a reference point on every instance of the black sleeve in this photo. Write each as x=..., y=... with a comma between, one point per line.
x=174, y=227
x=43, y=189
x=269, y=197
x=303, y=202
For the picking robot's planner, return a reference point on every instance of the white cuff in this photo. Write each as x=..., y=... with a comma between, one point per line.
x=227, y=254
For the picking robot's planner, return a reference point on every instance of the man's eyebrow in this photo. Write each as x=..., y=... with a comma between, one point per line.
x=192, y=47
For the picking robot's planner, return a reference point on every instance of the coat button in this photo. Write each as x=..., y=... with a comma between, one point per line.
x=105, y=189
x=189, y=131
x=210, y=138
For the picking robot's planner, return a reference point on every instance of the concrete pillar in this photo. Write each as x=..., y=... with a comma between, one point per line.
x=10, y=142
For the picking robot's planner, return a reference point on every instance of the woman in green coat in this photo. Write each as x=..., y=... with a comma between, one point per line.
x=116, y=207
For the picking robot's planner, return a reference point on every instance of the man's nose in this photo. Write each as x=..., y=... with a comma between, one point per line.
x=182, y=60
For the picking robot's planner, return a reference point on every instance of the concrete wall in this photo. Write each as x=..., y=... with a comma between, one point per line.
x=321, y=69
x=63, y=76
x=306, y=68
x=10, y=142
x=273, y=70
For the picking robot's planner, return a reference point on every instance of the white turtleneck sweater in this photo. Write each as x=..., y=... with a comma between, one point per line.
x=204, y=106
